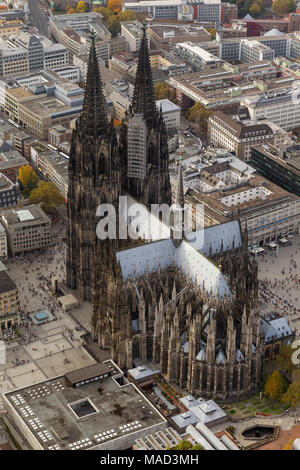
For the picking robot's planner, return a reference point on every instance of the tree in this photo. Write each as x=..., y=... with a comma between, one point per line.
x=282, y=7
x=48, y=195
x=126, y=15
x=113, y=25
x=163, y=91
x=199, y=114
x=254, y=10
x=275, y=386
x=105, y=12
x=284, y=361
x=197, y=447
x=212, y=32
x=28, y=179
x=292, y=395
x=80, y=7
x=183, y=445
x=115, y=5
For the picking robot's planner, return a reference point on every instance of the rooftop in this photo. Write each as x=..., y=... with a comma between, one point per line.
x=6, y=282
x=61, y=417
x=13, y=217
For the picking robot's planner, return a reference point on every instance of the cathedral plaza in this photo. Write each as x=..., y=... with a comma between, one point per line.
x=52, y=348
x=279, y=275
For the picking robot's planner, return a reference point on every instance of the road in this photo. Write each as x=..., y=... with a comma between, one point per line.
x=39, y=18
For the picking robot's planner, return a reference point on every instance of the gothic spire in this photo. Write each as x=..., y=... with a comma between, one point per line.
x=143, y=98
x=179, y=197
x=93, y=117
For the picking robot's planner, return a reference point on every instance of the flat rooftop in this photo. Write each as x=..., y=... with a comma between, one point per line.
x=67, y=418
x=214, y=205
x=292, y=163
x=6, y=282
x=14, y=218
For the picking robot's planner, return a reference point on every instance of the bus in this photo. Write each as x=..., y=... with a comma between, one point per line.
x=13, y=123
x=64, y=155
x=51, y=147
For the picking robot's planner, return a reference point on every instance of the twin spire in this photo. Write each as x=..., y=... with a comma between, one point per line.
x=93, y=116
x=143, y=101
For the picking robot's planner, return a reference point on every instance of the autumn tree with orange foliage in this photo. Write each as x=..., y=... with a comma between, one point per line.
x=275, y=386
x=81, y=7
x=115, y=5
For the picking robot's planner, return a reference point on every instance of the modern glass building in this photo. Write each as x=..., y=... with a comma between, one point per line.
x=282, y=168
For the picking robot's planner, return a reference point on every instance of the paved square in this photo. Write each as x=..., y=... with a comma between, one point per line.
x=279, y=282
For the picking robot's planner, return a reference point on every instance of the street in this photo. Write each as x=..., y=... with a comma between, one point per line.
x=39, y=18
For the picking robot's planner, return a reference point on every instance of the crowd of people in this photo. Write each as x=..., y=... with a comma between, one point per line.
x=279, y=286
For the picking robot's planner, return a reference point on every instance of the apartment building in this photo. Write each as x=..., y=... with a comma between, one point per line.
x=225, y=132
x=9, y=27
x=9, y=300
x=71, y=73
x=27, y=229
x=73, y=31
x=59, y=134
x=10, y=162
x=10, y=193
x=161, y=9
x=165, y=36
x=171, y=113
x=226, y=84
x=133, y=33
x=254, y=51
x=52, y=165
x=25, y=53
x=280, y=106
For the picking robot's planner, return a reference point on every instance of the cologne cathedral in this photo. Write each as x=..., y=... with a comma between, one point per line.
x=189, y=307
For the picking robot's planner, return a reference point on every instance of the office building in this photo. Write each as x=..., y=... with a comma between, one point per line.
x=27, y=229
x=239, y=136
x=229, y=189
x=282, y=166
x=71, y=413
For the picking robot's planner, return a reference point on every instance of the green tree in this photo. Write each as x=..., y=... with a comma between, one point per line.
x=163, y=91
x=28, y=179
x=197, y=447
x=183, y=445
x=48, y=195
x=282, y=7
x=126, y=15
x=199, y=114
x=284, y=361
x=105, y=12
x=113, y=25
x=275, y=386
x=254, y=10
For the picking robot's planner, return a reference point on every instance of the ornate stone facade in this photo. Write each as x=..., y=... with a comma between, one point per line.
x=201, y=326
